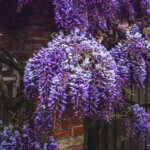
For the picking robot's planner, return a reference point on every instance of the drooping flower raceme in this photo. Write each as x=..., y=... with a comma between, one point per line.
x=30, y=79
x=77, y=70
x=36, y=140
x=145, y=7
x=123, y=64
x=90, y=15
x=43, y=120
x=96, y=15
x=140, y=123
x=25, y=139
x=9, y=138
x=140, y=48
x=132, y=57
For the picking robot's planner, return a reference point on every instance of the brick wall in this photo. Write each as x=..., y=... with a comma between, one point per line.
x=25, y=35
x=69, y=132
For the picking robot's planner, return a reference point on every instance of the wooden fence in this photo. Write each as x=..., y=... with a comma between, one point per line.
x=109, y=137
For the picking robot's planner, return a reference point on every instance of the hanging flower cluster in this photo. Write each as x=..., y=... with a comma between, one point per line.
x=25, y=139
x=96, y=15
x=43, y=121
x=8, y=137
x=77, y=70
x=139, y=123
x=33, y=139
x=145, y=7
x=133, y=59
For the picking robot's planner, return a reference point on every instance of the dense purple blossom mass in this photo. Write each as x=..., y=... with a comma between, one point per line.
x=95, y=16
x=8, y=137
x=77, y=70
x=74, y=69
x=26, y=139
x=133, y=59
x=139, y=123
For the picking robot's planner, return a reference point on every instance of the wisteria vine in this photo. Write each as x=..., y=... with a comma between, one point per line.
x=75, y=69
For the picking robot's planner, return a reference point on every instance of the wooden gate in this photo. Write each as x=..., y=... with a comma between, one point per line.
x=12, y=79
x=109, y=137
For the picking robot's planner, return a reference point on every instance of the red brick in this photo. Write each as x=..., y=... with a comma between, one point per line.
x=26, y=32
x=37, y=44
x=6, y=44
x=41, y=41
x=62, y=133
x=14, y=45
x=22, y=55
x=78, y=147
x=78, y=131
x=39, y=32
x=27, y=46
x=67, y=114
x=75, y=148
x=32, y=44
x=71, y=123
x=41, y=20
x=34, y=32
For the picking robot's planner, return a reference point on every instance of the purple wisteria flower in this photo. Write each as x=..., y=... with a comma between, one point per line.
x=36, y=140
x=132, y=57
x=139, y=123
x=145, y=7
x=74, y=70
x=9, y=138
x=96, y=15
x=25, y=138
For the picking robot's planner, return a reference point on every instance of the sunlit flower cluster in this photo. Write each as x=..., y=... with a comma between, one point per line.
x=74, y=70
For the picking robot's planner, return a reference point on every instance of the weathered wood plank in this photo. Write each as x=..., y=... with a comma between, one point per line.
x=111, y=135
x=148, y=95
x=136, y=99
x=119, y=132
x=142, y=100
x=127, y=144
x=103, y=140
